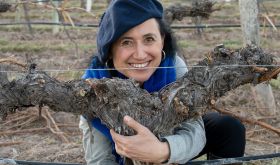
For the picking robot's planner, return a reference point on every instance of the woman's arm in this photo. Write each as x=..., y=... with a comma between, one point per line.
x=181, y=67
x=98, y=149
x=187, y=141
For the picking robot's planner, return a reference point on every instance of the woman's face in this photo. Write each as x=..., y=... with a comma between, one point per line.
x=138, y=50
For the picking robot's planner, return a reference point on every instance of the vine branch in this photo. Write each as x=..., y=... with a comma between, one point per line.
x=112, y=99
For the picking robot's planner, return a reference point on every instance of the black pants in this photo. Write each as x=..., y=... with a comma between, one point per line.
x=225, y=136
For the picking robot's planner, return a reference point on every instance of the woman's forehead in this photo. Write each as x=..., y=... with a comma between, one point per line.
x=148, y=27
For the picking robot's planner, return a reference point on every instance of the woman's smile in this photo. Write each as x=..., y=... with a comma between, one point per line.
x=140, y=65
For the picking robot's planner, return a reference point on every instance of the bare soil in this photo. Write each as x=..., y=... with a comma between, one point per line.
x=57, y=55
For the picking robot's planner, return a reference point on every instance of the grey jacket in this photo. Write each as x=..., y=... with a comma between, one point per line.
x=186, y=143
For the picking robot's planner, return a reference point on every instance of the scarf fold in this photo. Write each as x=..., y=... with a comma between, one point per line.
x=163, y=76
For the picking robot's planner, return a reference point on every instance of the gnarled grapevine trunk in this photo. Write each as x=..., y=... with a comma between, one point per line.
x=112, y=99
x=203, y=9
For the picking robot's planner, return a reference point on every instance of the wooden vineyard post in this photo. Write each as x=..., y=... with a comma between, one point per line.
x=40, y=2
x=55, y=18
x=197, y=20
x=19, y=13
x=27, y=18
x=89, y=5
x=250, y=28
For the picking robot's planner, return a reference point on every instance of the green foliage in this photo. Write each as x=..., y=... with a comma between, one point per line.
x=11, y=28
x=275, y=161
x=270, y=43
x=30, y=47
x=87, y=46
x=71, y=75
x=234, y=43
x=3, y=42
x=99, y=6
x=40, y=46
x=187, y=44
x=275, y=83
x=36, y=28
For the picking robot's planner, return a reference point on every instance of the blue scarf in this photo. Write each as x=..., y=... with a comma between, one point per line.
x=160, y=78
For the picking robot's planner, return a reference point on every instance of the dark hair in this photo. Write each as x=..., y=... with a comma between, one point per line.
x=170, y=45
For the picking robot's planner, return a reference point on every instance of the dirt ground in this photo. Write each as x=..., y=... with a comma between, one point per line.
x=26, y=136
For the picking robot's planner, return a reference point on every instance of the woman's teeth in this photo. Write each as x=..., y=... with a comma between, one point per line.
x=140, y=65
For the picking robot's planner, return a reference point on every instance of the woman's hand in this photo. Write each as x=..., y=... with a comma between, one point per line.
x=144, y=146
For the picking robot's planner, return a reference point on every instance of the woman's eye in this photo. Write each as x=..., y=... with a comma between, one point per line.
x=149, y=39
x=126, y=43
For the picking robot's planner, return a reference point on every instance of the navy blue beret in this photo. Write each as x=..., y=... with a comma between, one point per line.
x=121, y=16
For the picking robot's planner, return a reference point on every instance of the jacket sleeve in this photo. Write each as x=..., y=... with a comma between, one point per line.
x=187, y=141
x=181, y=67
x=98, y=149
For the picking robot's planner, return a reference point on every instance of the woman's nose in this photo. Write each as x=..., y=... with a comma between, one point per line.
x=140, y=52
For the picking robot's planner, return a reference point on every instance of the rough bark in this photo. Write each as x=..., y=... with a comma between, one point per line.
x=203, y=8
x=112, y=99
x=4, y=7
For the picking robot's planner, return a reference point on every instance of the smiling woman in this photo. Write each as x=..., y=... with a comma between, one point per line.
x=134, y=40
x=139, y=50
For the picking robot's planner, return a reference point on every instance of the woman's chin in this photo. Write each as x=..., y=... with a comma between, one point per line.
x=140, y=75
x=141, y=79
